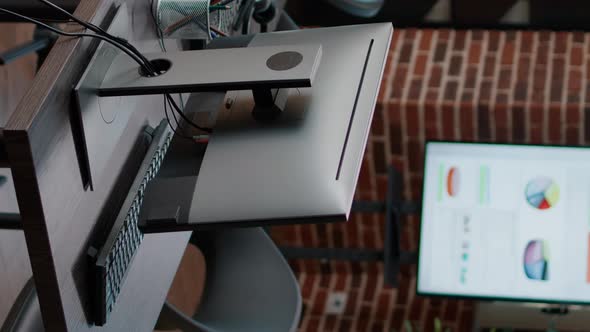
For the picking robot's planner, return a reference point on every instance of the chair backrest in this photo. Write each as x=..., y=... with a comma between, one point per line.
x=249, y=285
x=25, y=315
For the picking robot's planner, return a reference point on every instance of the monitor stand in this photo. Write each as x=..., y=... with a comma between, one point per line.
x=269, y=72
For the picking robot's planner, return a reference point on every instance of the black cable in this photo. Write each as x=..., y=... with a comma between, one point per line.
x=100, y=31
x=176, y=120
x=170, y=124
x=184, y=117
x=74, y=34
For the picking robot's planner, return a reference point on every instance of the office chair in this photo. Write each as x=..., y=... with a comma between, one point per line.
x=249, y=286
x=360, y=8
x=25, y=314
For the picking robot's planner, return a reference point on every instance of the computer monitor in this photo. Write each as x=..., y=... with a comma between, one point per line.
x=506, y=222
x=304, y=165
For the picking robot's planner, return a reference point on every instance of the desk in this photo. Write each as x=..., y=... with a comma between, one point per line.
x=58, y=215
x=15, y=269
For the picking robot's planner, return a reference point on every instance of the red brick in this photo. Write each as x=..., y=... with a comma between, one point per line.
x=542, y=55
x=573, y=115
x=518, y=124
x=466, y=324
x=319, y=302
x=466, y=119
x=399, y=80
x=313, y=324
x=576, y=56
x=412, y=120
x=575, y=80
x=406, y=52
x=456, y=65
x=435, y=76
x=363, y=320
x=477, y=34
x=415, y=90
x=308, y=284
x=443, y=34
x=307, y=235
x=395, y=39
x=440, y=51
x=459, y=40
x=508, y=53
x=378, y=327
x=536, y=135
x=364, y=182
x=378, y=124
x=558, y=68
x=526, y=41
x=535, y=114
x=505, y=78
x=448, y=122
x=494, y=40
x=330, y=323
x=489, y=66
x=402, y=291
x=578, y=37
x=451, y=310
x=415, y=155
x=426, y=39
x=410, y=34
x=523, y=69
x=474, y=53
x=345, y=325
x=554, y=120
x=397, y=319
x=484, y=130
x=471, y=78
x=351, y=303
x=561, y=39
x=572, y=136
x=383, y=307
x=416, y=309
x=420, y=65
x=379, y=157
x=451, y=91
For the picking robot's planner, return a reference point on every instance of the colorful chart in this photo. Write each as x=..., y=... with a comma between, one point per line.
x=453, y=181
x=542, y=193
x=536, y=260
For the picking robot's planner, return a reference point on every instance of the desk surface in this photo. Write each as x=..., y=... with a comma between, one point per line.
x=59, y=215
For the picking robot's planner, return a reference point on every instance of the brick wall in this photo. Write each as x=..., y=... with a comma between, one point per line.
x=499, y=86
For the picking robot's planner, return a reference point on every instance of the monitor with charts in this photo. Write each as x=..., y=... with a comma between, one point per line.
x=506, y=222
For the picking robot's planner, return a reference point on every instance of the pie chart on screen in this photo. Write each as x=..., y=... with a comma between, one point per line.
x=536, y=260
x=542, y=193
x=453, y=184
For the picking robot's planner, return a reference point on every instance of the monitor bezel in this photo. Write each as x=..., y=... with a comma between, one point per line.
x=480, y=297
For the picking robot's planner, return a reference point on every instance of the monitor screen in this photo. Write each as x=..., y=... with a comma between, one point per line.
x=508, y=222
